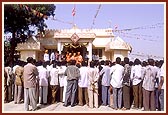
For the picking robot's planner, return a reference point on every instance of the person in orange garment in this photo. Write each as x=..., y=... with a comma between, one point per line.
x=73, y=57
x=79, y=58
x=68, y=56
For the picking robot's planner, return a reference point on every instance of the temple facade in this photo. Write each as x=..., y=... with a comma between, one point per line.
x=100, y=42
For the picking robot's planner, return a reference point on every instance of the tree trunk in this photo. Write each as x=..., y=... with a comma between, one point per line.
x=12, y=48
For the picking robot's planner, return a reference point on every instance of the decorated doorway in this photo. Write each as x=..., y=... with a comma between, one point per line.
x=74, y=48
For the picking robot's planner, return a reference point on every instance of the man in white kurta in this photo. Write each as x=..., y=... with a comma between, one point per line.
x=43, y=84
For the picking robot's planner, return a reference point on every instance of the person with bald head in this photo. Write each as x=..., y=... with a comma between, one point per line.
x=79, y=58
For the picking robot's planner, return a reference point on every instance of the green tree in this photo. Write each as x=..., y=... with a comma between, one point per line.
x=18, y=18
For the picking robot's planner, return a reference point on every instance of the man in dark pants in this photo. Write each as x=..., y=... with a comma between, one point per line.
x=126, y=84
x=72, y=72
x=5, y=87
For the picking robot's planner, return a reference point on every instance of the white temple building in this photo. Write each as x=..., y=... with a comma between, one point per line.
x=101, y=42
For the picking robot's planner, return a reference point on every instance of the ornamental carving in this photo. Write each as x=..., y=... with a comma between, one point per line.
x=75, y=38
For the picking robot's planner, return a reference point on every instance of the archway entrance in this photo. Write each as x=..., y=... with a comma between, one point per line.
x=74, y=48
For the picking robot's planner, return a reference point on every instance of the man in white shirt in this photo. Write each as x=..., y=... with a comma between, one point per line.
x=49, y=67
x=43, y=84
x=136, y=78
x=161, y=87
x=116, y=82
x=54, y=83
x=46, y=56
x=82, y=84
x=39, y=67
x=52, y=57
x=62, y=80
x=157, y=67
x=105, y=72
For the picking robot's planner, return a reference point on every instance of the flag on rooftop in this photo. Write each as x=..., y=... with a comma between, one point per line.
x=73, y=11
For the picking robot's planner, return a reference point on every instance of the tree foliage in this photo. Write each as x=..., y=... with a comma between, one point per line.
x=18, y=18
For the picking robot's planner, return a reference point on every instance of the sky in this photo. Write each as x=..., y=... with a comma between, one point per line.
x=141, y=25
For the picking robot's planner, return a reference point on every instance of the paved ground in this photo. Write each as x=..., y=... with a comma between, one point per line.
x=59, y=108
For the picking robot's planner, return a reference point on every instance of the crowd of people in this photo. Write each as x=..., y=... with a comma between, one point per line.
x=119, y=85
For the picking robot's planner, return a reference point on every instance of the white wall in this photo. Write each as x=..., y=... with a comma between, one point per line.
x=107, y=55
x=25, y=54
x=120, y=53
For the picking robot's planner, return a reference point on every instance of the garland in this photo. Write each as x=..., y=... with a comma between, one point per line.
x=73, y=45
